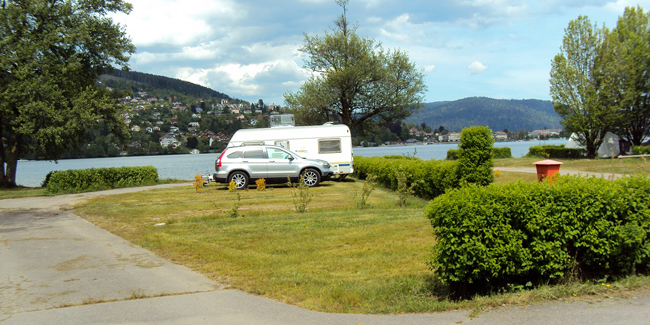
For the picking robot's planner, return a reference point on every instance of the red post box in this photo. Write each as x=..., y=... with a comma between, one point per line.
x=547, y=169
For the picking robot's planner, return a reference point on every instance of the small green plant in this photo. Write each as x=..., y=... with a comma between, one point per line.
x=234, y=211
x=198, y=182
x=368, y=186
x=404, y=191
x=261, y=184
x=232, y=186
x=300, y=193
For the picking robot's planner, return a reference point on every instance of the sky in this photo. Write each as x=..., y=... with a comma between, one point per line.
x=249, y=49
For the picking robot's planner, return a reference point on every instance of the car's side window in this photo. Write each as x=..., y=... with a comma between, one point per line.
x=254, y=154
x=234, y=154
x=277, y=154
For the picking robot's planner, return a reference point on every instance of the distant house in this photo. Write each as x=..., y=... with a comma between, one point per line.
x=195, y=151
x=500, y=136
x=135, y=128
x=454, y=136
x=193, y=124
x=169, y=140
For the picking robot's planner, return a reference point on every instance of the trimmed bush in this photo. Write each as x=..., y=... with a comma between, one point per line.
x=556, y=151
x=500, y=153
x=641, y=150
x=475, y=156
x=452, y=154
x=82, y=180
x=504, y=152
x=428, y=178
x=517, y=234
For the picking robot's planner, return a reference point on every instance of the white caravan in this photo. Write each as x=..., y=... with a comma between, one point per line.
x=329, y=142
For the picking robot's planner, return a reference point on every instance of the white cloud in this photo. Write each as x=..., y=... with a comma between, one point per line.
x=175, y=22
x=476, y=67
x=429, y=68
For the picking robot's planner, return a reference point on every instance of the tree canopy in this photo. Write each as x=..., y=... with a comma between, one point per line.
x=626, y=53
x=355, y=80
x=577, y=85
x=51, y=53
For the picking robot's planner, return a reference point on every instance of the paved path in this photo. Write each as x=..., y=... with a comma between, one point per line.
x=56, y=268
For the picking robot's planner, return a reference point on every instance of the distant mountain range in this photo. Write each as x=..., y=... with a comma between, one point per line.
x=498, y=114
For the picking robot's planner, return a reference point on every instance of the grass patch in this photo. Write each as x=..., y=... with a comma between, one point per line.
x=333, y=258
x=509, y=177
x=19, y=191
x=604, y=165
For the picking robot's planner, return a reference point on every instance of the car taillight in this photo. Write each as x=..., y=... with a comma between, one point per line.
x=218, y=162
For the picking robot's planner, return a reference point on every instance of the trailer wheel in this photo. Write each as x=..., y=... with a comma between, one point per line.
x=310, y=177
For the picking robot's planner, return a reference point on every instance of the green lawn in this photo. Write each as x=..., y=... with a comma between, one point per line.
x=333, y=258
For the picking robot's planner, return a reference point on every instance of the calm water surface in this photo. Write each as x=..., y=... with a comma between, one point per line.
x=32, y=173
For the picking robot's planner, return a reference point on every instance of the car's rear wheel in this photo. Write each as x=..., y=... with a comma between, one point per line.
x=240, y=179
x=310, y=177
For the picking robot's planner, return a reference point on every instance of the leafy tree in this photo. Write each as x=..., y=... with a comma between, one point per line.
x=626, y=52
x=355, y=79
x=51, y=53
x=577, y=85
x=192, y=142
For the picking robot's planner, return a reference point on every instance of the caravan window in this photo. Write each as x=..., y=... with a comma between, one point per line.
x=329, y=146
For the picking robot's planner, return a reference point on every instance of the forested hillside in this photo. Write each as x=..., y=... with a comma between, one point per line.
x=138, y=81
x=498, y=114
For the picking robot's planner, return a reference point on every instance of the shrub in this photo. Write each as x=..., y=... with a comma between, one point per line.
x=556, y=151
x=500, y=153
x=491, y=238
x=80, y=180
x=504, y=152
x=475, y=156
x=641, y=150
x=428, y=179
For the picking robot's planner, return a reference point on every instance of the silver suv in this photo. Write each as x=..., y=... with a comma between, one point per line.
x=249, y=163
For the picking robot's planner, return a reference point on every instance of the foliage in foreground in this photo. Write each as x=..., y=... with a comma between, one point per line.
x=553, y=151
x=497, y=153
x=51, y=53
x=427, y=179
x=526, y=234
x=84, y=180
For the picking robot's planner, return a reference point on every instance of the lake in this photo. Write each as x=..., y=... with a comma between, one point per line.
x=32, y=173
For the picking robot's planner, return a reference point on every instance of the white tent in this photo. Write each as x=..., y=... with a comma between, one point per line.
x=609, y=148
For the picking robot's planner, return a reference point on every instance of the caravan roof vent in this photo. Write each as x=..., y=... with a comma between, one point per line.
x=282, y=120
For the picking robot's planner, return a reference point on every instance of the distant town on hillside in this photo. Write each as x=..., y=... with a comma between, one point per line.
x=170, y=116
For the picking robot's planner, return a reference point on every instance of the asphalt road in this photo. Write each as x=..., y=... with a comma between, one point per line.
x=56, y=268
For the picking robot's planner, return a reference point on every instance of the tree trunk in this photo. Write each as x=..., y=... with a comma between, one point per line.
x=11, y=161
x=10, y=170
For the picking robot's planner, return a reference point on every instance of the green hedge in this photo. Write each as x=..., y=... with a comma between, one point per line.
x=475, y=156
x=429, y=178
x=556, y=151
x=525, y=234
x=641, y=150
x=81, y=180
x=504, y=152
